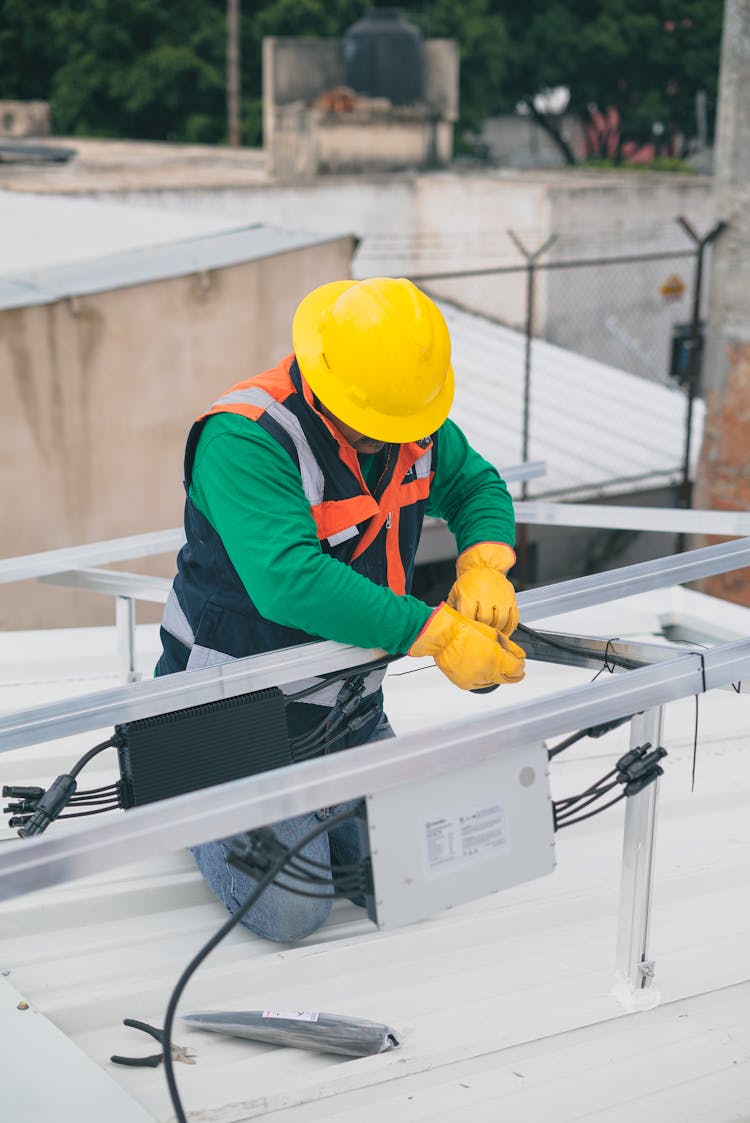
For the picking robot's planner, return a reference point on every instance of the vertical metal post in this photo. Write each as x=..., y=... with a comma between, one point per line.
x=695, y=346
x=634, y=968
x=125, y=623
x=531, y=260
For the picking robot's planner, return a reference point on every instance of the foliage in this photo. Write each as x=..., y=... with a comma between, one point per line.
x=156, y=69
x=656, y=164
x=646, y=59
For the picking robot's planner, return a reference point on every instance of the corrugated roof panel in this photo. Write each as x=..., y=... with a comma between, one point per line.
x=503, y=1005
x=597, y=427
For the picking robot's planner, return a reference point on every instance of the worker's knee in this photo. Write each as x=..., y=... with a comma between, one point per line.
x=286, y=918
x=278, y=914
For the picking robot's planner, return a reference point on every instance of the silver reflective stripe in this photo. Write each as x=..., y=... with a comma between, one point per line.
x=342, y=536
x=252, y=396
x=175, y=621
x=312, y=475
x=423, y=466
x=206, y=657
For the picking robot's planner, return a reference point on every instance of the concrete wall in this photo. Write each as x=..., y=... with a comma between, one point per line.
x=25, y=118
x=304, y=140
x=616, y=313
x=515, y=141
x=417, y=224
x=723, y=480
x=99, y=393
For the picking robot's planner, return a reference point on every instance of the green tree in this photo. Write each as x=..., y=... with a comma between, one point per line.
x=485, y=50
x=146, y=69
x=647, y=59
x=156, y=69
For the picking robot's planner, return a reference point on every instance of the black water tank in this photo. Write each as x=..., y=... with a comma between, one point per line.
x=383, y=53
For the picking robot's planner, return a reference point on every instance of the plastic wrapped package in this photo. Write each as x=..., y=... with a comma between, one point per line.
x=303, y=1029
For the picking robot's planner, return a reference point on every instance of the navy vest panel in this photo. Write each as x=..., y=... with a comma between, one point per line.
x=219, y=614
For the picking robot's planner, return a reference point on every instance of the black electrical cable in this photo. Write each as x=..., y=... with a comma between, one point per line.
x=96, y=791
x=578, y=805
x=96, y=811
x=347, y=700
x=592, y=731
x=598, y=789
x=58, y=795
x=336, y=733
x=313, y=734
x=265, y=839
x=216, y=939
x=309, y=744
x=346, y=880
x=336, y=676
x=574, y=737
x=336, y=879
x=108, y=801
x=100, y=797
x=80, y=764
x=347, y=890
x=580, y=819
x=609, y=657
x=594, y=787
x=335, y=729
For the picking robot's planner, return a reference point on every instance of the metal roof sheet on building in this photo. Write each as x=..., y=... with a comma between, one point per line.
x=59, y=247
x=601, y=431
x=504, y=1005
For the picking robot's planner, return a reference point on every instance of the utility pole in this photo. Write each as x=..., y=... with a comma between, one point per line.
x=723, y=480
x=233, y=72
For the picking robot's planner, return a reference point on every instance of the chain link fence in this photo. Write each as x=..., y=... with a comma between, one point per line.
x=640, y=311
x=631, y=312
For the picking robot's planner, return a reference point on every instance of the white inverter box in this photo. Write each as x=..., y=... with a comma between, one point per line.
x=454, y=836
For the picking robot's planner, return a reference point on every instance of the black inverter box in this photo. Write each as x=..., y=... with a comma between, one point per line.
x=178, y=752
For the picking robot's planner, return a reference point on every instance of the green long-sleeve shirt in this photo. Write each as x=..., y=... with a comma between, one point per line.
x=250, y=491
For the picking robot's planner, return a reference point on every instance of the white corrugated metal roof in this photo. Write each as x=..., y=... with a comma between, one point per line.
x=58, y=247
x=503, y=1005
x=602, y=431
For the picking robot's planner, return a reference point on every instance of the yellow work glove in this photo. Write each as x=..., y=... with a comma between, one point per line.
x=472, y=655
x=481, y=590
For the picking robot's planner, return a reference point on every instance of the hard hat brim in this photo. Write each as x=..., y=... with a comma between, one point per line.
x=307, y=338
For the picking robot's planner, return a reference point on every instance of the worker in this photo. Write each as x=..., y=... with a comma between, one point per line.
x=306, y=490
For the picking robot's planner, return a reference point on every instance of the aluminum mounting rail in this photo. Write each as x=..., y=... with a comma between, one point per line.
x=191, y=688
x=626, y=581
x=268, y=797
x=94, y=553
x=173, y=692
x=114, y=583
x=611, y=654
x=591, y=651
x=673, y=520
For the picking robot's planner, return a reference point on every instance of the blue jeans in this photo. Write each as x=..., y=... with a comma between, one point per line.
x=278, y=914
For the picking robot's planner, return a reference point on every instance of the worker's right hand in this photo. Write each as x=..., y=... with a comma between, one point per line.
x=471, y=654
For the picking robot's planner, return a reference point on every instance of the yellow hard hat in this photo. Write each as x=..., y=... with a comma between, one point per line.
x=377, y=354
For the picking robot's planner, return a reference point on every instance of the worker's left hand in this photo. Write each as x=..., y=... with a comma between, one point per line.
x=481, y=590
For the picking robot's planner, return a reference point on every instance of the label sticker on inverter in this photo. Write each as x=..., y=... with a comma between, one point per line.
x=461, y=838
x=293, y=1015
